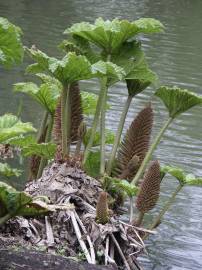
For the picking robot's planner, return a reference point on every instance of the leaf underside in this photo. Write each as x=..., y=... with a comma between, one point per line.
x=11, y=49
x=177, y=100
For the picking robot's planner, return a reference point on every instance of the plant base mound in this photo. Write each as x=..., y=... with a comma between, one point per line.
x=74, y=232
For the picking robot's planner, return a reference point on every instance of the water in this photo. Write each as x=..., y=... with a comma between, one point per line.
x=176, y=57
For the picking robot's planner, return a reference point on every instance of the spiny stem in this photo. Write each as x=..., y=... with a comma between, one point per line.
x=94, y=127
x=43, y=160
x=139, y=219
x=118, y=134
x=43, y=125
x=150, y=152
x=102, y=126
x=131, y=209
x=5, y=218
x=166, y=207
x=78, y=147
x=49, y=130
x=65, y=120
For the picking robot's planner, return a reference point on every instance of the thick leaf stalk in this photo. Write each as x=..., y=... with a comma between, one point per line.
x=94, y=127
x=81, y=133
x=135, y=143
x=102, y=211
x=43, y=160
x=35, y=160
x=150, y=152
x=118, y=136
x=158, y=219
x=102, y=126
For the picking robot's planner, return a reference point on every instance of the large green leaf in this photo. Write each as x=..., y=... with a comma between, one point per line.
x=46, y=94
x=192, y=180
x=89, y=103
x=176, y=172
x=71, y=68
x=12, y=199
x=177, y=100
x=41, y=59
x=50, y=80
x=11, y=126
x=129, y=55
x=181, y=176
x=110, y=35
x=139, y=78
x=22, y=141
x=20, y=203
x=46, y=150
x=80, y=46
x=11, y=50
x=92, y=164
x=109, y=137
x=108, y=69
x=35, y=208
x=124, y=185
x=149, y=26
x=7, y=171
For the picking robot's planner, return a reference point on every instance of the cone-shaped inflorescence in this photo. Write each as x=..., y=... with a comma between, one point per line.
x=150, y=188
x=102, y=211
x=76, y=115
x=135, y=143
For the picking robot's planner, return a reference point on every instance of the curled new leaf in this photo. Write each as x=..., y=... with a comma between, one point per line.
x=109, y=35
x=46, y=150
x=177, y=100
x=46, y=94
x=150, y=188
x=135, y=142
x=11, y=126
x=11, y=49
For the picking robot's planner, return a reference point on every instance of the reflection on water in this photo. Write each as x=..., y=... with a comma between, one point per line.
x=176, y=57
